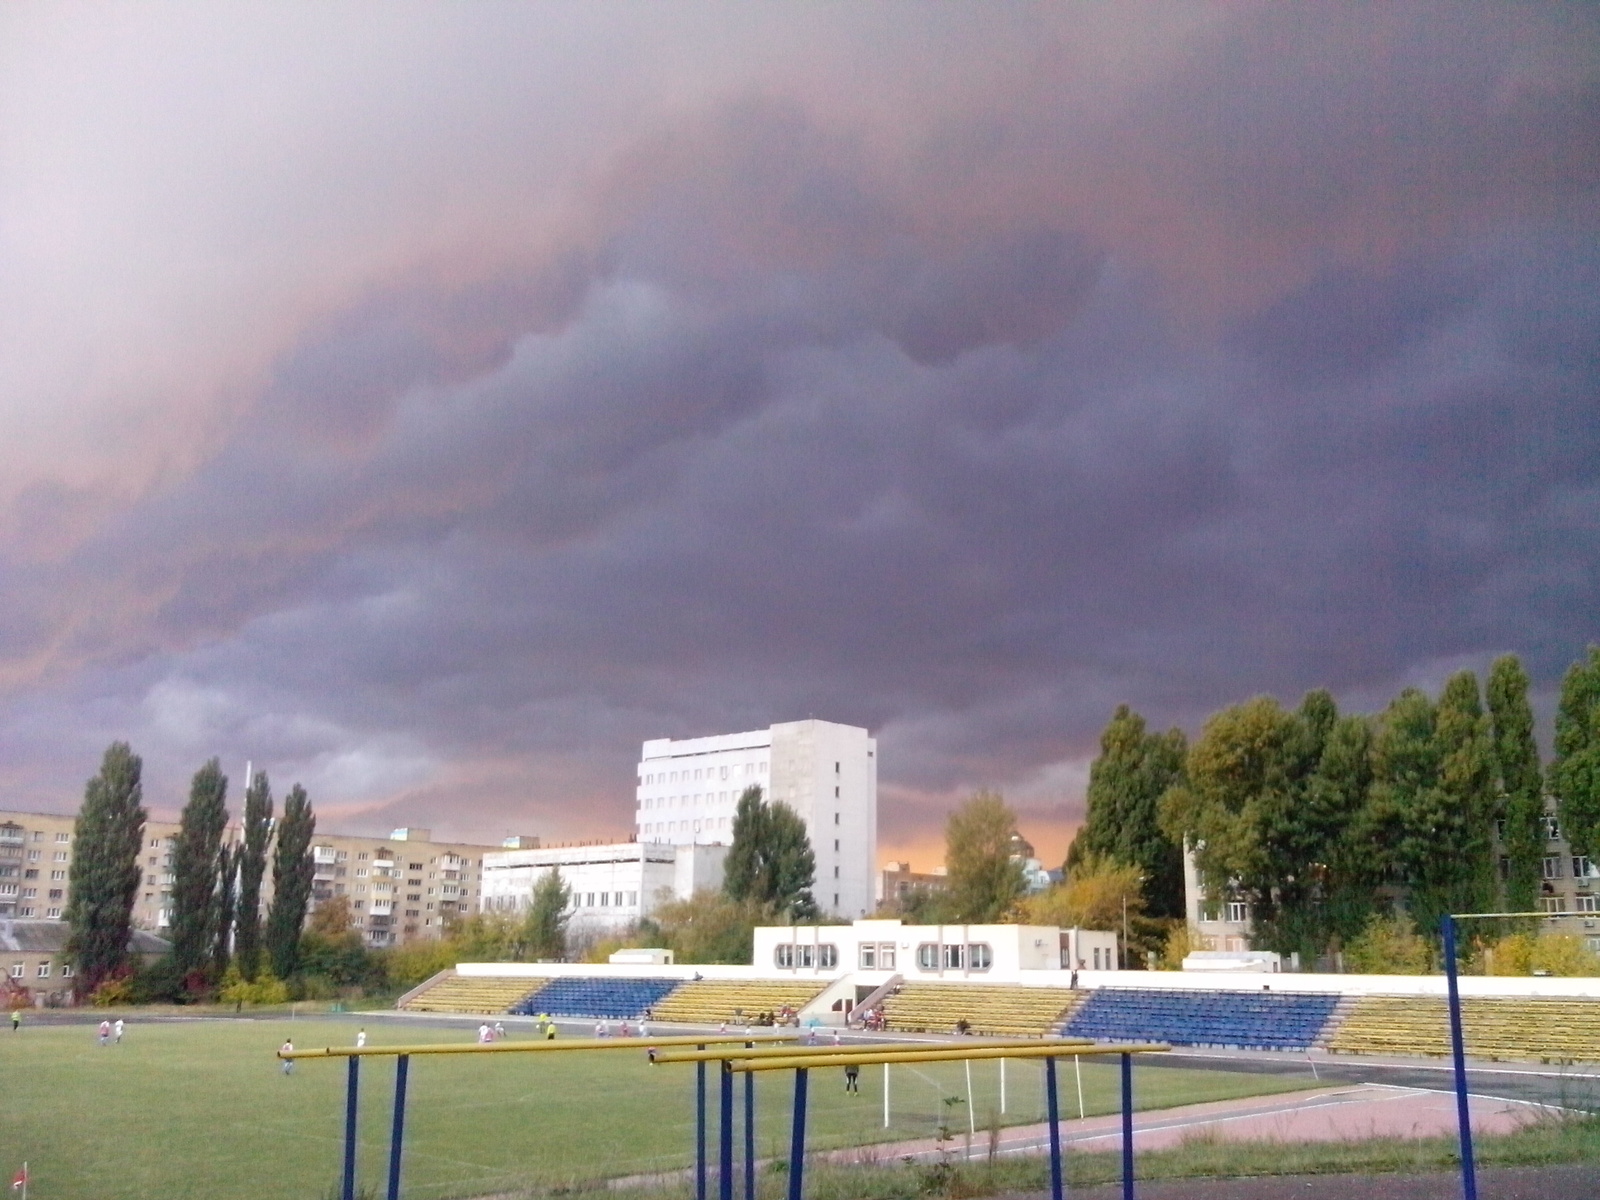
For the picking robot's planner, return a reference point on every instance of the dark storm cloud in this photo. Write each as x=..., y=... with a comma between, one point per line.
x=1278, y=367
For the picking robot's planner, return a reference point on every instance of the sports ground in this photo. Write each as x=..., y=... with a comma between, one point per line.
x=200, y=1108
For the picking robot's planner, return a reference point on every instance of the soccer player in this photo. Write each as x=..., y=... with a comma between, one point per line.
x=16, y=1019
x=117, y=1028
x=484, y=1033
x=105, y=1032
x=852, y=1073
x=361, y=1038
x=499, y=1031
x=288, y=1063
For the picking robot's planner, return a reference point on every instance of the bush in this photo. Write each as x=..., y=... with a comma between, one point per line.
x=1554, y=954
x=266, y=989
x=1388, y=945
x=114, y=992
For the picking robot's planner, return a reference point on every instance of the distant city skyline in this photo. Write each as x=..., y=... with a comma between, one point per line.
x=431, y=407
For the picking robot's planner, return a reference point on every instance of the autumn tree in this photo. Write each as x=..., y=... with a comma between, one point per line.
x=1126, y=782
x=1575, y=771
x=985, y=880
x=104, y=877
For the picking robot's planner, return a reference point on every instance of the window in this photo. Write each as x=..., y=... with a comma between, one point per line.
x=66, y=970
x=1097, y=958
x=633, y=898
x=1552, y=866
x=1587, y=904
x=59, y=856
x=52, y=912
x=836, y=872
x=1238, y=911
x=827, y=956
x=869, y=956
x=33, y=856
x=835, y=818
x=58, y=875
x=955, y=957
x=17, y=969
x=783, y=955
x=55, y=893
x=885, y=956
x=836, y=845
x=361, y=872
x=44, y=970
x=63, y=837
x=1552, y=829
x=1582, y=868
x=363, y=856
x=1553, y=904
x=928, y=956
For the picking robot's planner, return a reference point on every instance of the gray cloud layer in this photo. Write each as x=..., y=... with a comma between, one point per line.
x=1160, y=362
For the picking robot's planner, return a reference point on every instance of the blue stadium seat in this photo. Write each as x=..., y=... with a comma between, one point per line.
x=615, y=999
x=1255, y=1020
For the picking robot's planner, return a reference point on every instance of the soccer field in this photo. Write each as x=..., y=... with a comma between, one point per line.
x=192, y=1109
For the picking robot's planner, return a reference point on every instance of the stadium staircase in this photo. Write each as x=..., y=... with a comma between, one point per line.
x=711, y=1001
x=616, y=999
x=1546, y=1030
x=1249, y=1020
x=987, y=1008
x=474, y=994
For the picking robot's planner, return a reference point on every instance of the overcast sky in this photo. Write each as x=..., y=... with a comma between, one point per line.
x=430, y=403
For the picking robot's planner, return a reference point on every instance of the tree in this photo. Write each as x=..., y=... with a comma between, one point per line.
x=1516, y=764
x=194, y=868
x=223, y=909
x=292, y=870
x=1388, y=945
x=544, y=931
x=255, y=836
x=1090, y=897
x=1126, y=783
x=1575, y=771
x=103, y=880
x=708, y=927
x=1336, y=802
x=984, y=879
x=770, y=863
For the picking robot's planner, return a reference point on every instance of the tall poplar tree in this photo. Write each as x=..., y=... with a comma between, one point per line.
x=1126, y=782
x=103, y=880
x=1521, y=799
x=194, y=869
x=544, y=930
x=223, y=908
x=255, y=835
x=1336, y=806
x=292, y=871
x=1575, y=772
x=1466, y=779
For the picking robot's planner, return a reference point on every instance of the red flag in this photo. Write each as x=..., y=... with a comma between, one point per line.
x=21, y=1180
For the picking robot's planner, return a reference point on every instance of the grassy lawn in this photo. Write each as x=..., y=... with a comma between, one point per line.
x=200, y=1109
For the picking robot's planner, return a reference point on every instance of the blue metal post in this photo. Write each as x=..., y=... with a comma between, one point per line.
x=725, y=1146
x=797, y=1143
x=750, y=1135
x=397, y=1135
x=1458, y=1051
x=1054, y=1113
x=1127, y=1127
x=351, y=1092
x=700, y=1130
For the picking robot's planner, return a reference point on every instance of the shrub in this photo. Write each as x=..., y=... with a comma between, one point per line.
x=113, y=992
x=1388, y=945
x=266, y=989
x=1555, y=954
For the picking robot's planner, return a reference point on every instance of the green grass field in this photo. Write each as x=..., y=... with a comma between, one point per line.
x=193, y=1109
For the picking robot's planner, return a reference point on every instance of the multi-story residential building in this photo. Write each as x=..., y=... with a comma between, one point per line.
x=1569, y=890
x=898, y=882
x=399, y=887
x=688, y=790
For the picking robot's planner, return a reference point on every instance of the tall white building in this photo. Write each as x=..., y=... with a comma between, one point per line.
x=827, y=773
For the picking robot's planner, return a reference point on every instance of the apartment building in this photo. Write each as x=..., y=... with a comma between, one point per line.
x=399, y=887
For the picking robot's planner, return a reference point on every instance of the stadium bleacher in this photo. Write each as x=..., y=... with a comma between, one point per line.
x=476, y=994
x=596, y=997
x=987, y=1008
x=710, y=1001
x=1548, y=1030
x=1255, y=1020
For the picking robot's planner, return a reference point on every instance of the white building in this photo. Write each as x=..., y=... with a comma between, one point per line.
x=827, y=773
x=613, y=886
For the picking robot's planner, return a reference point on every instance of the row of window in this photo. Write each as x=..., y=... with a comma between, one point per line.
x=51, y=914
x=31, y=873
x=606, y=900
x=13, y=835
x=668, y=827
x=1581, y=904
x=1552, y=829
x=880, y=956
x=20, y=970
x=701, y=774
x=59, y=856
x=1235, y=911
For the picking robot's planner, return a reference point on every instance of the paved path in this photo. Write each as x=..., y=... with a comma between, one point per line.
x=1567, y=1182
x=1332, y=1114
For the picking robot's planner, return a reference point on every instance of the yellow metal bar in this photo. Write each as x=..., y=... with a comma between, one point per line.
x=727, y=1052
x=537, y=1047
x=959, y=1054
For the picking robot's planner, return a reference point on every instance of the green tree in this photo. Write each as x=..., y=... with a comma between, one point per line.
x=984, y=879
x=544, y=931
x=770, y=863
x=1516, y=760
x=194, y=869
x=331, y=949
x=104, y=878
x=292, y=870
x=1388, y=945
x=708, y=927
x=1466, y=781
x=255, y=836
x=1575, y=771
x=1126, y=783
x=1336, y=807
x=222, y=912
